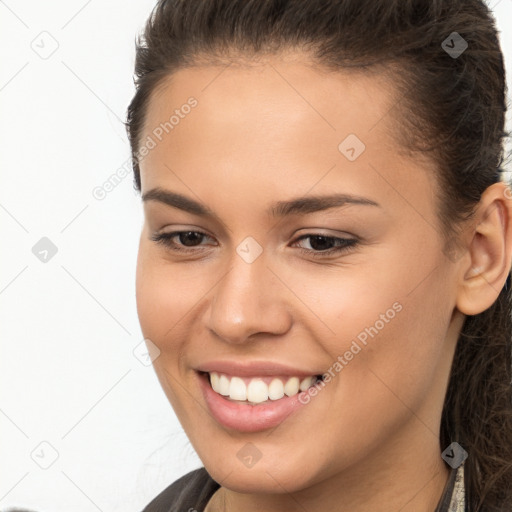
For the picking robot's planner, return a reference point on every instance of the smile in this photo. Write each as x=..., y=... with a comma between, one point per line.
x=258, y=390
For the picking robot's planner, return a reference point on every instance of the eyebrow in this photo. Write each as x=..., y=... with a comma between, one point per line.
x=297, y=206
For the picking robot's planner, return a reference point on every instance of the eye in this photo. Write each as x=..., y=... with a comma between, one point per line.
x=185, y=239
x=322, y=245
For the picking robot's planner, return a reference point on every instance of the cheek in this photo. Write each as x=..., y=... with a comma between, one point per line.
x=386, y=347
x=166, y=293
x=163, y=299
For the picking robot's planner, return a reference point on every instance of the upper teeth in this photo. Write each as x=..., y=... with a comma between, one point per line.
x=256, y=390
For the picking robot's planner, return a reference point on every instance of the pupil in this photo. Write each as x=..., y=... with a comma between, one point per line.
x=323, y=242
x=185, y=237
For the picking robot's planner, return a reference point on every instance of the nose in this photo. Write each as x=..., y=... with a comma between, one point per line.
x=248, y=300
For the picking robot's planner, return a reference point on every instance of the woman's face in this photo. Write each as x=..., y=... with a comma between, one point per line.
x=353, y=284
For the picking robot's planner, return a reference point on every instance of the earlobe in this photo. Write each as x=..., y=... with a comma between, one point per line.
x=490, y=252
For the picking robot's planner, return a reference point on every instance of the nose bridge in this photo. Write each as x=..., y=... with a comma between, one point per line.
x=246, y=301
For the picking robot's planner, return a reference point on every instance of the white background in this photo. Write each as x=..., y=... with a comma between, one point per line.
x=68, y=375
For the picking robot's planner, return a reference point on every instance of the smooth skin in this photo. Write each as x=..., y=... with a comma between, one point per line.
x=266, y=133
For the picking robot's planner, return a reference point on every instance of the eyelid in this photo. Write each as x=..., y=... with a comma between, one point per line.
x=165, y=238
x=349, y=244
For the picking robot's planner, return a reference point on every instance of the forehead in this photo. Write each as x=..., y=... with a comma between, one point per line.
x=279, y=124
x=272, y=98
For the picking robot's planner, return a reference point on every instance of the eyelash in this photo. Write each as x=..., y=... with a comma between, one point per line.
x=348, y=243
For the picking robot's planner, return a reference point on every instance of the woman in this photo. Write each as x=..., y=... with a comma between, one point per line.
x=324, y=268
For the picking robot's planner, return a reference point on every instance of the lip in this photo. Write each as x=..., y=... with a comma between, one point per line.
x=254, y=369
x=245, y=417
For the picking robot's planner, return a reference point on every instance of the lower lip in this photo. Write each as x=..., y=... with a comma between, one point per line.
x=245, y=417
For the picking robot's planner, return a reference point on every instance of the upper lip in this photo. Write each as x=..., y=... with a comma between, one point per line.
x=253, y=369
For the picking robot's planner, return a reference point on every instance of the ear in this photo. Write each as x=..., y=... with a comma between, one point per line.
x=490, y=251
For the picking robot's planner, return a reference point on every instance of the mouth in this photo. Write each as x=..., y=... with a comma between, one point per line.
x=250, y=396
x=258, y=390
x=253, y=404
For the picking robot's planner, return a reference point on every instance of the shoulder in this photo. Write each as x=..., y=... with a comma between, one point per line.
x=190, y=493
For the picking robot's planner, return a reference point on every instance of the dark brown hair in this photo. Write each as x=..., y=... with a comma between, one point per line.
x=450, y=109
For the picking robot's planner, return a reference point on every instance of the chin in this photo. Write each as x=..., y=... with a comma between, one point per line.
x=263, y=477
